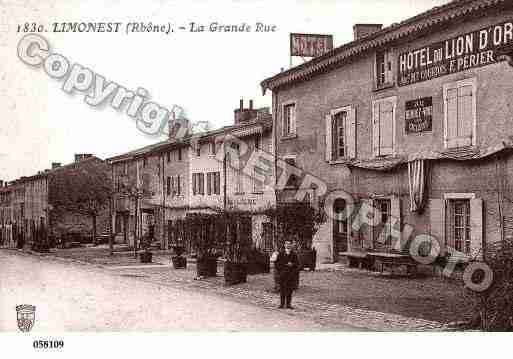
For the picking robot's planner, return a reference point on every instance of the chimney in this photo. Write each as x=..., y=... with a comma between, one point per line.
x=242, y=114
x=362, y=30
x=55, y=165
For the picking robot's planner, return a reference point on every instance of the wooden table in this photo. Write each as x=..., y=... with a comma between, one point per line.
x=395, y=260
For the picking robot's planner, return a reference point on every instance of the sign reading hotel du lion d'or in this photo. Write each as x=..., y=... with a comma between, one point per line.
x=419, y=115
x=461, y=53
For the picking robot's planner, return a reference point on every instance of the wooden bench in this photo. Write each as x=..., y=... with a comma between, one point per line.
x=393, y=260
x=358, y=259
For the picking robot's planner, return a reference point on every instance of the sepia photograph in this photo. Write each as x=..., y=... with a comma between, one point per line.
x=298, y=175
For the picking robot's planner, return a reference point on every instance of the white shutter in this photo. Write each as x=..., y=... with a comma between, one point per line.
x=329, y=138
x=437, y=221
x=293, y=120
x=465, y=115
x=386, y=128
x=476, y=228
x=396, y=221
x=350, y=133
x=375, y=128
x=367, y=231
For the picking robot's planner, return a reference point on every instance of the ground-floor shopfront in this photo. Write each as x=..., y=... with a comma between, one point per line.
x=466, y=203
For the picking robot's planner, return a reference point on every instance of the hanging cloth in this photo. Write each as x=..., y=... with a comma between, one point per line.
x=417, y=173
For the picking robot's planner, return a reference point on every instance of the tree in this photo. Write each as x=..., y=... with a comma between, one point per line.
x=83, y=188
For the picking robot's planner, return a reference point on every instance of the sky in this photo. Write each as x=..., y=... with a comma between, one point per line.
x=205, y=73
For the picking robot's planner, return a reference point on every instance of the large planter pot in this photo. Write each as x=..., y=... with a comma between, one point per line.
x=179, y=262
x=258, y=263
x=146, y=257
x=206, y=267
x=235, y=273
x=307, y=259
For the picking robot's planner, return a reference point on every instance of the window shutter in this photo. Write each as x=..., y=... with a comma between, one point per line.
x=350, y=134
x=355, y=236
x=437, y=221
x=396, y=220
x=465, y=115
x=329, y=138
x=388, y=67
x=293, y=120
x=366, y=230
x=386, y=128
x=476, y=228
x=375, y=128
x=209, y=183
x=202, y=183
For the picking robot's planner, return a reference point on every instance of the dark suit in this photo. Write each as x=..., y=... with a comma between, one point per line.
x=287, y=275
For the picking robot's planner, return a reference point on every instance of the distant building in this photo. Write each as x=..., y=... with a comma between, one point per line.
x=161, y=183
x=27, y=205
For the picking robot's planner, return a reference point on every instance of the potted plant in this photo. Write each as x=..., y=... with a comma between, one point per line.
x=237, y=248
x=146, y=255
x=179, y=261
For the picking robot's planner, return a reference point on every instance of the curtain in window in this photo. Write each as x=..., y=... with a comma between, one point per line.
x=417, y=173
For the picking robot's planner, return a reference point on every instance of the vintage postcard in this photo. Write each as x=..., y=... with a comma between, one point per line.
x=254, y=166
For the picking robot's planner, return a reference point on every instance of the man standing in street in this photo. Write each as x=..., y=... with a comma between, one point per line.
x=287, y=265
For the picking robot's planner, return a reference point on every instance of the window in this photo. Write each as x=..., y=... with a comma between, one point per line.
x=341, y=134
x=460, y=113
x=213, y=148
x=168, y=155
x=384, y=74
x=198, y=150
x=179, y=154
x=459, y=224
x=168, y=185
x=258, y=186
x=125, y=168
x=198, y=184
x=145, y=161
x=213, y=183
x=209, y=183
x=257, y=142
x=384, y=206
x=178, y=185
x=217, y=183
x=289, y=120
x=383, y=126
x=292, y=180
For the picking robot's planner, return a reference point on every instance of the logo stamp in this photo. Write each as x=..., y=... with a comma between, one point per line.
x=26, y=316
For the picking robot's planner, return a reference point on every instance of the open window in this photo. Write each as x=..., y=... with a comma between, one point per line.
x=341, y=134
x=383, y=69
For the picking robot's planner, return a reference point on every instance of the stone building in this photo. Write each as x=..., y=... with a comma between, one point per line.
x=151, y=188
x=414, y=119
x=160, y=183
x=30, y=206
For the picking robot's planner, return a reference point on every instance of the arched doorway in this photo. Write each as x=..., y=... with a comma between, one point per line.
x=340, y=232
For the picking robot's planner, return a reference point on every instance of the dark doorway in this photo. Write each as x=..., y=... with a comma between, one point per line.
x=340, y=233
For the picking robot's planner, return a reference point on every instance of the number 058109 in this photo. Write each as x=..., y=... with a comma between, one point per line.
x=48, y=344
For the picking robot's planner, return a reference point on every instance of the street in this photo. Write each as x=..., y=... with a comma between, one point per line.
x=74, y=297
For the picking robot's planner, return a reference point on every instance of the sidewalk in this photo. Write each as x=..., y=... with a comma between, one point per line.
x=332, y=294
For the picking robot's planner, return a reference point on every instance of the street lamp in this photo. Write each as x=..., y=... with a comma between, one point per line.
x=135, y=194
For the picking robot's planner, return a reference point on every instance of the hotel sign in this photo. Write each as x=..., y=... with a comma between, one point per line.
x=419, y=115
x=310, y=45
x=461, y=53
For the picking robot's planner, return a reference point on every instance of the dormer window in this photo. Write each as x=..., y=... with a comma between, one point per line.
x=384, y=73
